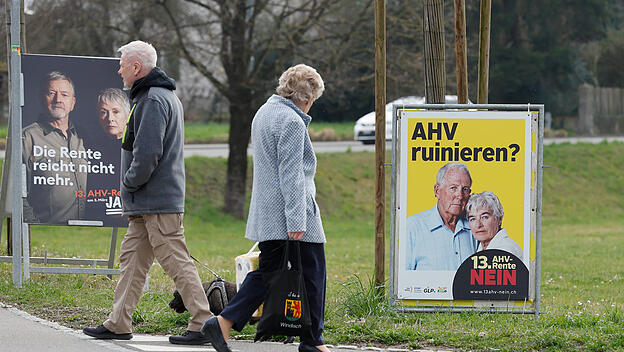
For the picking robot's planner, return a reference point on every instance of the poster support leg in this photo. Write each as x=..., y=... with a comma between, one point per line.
x=113, y=247
x=6, y=165
x=16, y=226
x=26, y=251
x=15, y=120
x=146, y=286
x=9, y=237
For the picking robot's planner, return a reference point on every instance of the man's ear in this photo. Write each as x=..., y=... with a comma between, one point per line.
x=73, y=104
x=137, y=67
x=436, y=188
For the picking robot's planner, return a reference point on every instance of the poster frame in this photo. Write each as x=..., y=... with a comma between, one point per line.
x=532, y=307
x=13, y=191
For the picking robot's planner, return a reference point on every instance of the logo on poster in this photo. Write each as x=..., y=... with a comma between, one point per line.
x=413, y=289
x=113, y=206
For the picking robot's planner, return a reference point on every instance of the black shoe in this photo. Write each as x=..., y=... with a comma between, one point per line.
x=212, y=330
x=103, y=333
x=307, y=348
x=189, y=338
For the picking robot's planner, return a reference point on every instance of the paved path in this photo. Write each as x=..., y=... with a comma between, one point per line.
x=20, y=331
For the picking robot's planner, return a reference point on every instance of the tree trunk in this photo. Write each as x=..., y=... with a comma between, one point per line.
x=461, y=59
x=484, y=51
x=433, y=31
x=380, y=143
x=241, y=114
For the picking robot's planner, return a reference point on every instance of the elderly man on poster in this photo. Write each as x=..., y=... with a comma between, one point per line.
x=52, y=172
x=439, y=238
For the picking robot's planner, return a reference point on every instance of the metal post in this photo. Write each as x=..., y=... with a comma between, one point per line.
x=538, y=235
x=16, y=145
x=113, y=247
x=4, y=200
x=26, y=251
x=393, y=205
x=146, y=285
x=380, y=141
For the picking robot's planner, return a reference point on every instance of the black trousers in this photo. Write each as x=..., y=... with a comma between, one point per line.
x=252, y=290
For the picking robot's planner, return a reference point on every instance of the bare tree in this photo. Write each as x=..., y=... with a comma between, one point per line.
x=253, y=41
x=239, y=46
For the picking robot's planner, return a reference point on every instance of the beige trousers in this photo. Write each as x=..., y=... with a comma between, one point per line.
x=160, y=236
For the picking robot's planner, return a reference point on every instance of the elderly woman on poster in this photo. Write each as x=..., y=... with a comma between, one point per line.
x=282, y=205
x=485, y=218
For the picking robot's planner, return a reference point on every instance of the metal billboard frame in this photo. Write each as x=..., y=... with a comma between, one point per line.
x=12, y=190
x=478, y=305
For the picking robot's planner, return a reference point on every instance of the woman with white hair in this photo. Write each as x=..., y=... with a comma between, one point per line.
x=113, y=107
x=282, y=206
x=485, y=218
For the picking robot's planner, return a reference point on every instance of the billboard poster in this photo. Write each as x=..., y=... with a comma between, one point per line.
x=73, y=117
x=464, y=206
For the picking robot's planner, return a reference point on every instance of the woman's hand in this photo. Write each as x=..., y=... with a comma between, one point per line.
x=297, y=236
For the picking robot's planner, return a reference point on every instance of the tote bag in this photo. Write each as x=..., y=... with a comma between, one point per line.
x=286, y=311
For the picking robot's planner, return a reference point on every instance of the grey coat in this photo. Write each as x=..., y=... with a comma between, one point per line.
x=152, y=155
x=283, y=194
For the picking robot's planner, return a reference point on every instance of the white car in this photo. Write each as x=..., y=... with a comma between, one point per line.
x=364, y=129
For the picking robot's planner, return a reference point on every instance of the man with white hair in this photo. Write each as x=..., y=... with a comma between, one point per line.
x=439, y=238
x=152, y=192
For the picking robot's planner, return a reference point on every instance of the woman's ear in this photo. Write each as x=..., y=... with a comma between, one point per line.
x=308, y=105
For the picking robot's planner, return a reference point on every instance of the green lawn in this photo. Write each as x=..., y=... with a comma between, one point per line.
x=582, y=281
x=212, y=132
x=218, y=132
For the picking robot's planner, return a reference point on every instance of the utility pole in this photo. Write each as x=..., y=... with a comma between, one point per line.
x=484, y=51
x=433, y=28
x=461, y=59
x=380, y=142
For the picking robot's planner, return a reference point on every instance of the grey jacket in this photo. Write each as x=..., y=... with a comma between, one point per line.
x=283, y=193
x=152, y=154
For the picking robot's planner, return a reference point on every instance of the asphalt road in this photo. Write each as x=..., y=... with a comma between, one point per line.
x=221, y=150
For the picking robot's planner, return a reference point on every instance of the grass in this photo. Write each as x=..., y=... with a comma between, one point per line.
x=212, y=132
x=582, y=280
x=209, y=132
x=217, y=132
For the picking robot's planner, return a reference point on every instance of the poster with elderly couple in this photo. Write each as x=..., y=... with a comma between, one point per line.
x=464, y=214
x=73, y=119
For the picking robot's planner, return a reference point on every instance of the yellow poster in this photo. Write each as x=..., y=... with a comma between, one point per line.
x=464, y=205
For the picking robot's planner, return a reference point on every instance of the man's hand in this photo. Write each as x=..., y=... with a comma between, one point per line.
x=297, y=236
